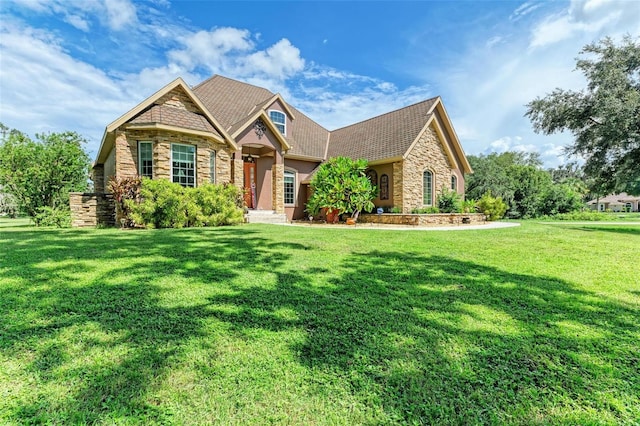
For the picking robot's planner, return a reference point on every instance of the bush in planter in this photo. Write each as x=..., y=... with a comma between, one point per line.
x=340, y=184
x=449, y=201
x=425, y=210
x=494, y=208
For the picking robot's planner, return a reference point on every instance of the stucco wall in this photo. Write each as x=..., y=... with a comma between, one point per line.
x=302, y=169
x=384, y=169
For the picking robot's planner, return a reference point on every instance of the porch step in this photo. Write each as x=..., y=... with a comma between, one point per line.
x=265, y=216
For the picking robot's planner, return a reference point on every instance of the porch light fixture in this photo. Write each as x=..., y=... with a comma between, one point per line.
x=260, y=128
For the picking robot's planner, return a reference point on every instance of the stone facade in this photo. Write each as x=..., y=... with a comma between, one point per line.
x=91, y=209
x=441, y=219
x=127, y=154
x=427, y=154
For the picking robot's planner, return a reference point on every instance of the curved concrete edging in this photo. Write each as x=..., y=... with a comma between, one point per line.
x=487, y=225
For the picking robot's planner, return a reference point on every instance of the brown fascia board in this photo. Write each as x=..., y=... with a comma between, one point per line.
x=457, y=146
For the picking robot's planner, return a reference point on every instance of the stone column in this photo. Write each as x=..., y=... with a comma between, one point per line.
x=238, y=170
x=398, y=187
x=277, y=187
x=97, y=175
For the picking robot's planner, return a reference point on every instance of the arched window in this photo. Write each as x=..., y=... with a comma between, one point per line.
x=427, y=188
x=384, y=187
x=289, y=187
x=454, y=182
x=279, y=120
x=373, y=177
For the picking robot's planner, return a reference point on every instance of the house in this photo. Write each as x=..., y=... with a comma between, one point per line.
x=616, y=203
x=227, y=131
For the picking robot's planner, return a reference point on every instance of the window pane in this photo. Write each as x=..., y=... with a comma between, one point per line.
x=183, y=164
x=454, y=183
x=427, y=190
x=145, y=159
x=212, y=167
x=278, y=119
x=289, y=187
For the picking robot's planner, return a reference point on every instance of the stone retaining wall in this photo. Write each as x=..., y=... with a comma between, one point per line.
x=92, y=209
x=440, y=219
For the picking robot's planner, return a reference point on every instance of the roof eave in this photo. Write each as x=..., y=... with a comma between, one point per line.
x=167, y=127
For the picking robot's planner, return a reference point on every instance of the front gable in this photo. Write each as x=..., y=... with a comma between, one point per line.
x=439, y=122
x=173, y=108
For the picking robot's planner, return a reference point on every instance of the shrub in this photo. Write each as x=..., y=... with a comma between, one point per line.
x=164, y=204
x=219, y=205
x=449, y=201
x=493, y=207
x=341, y=184
x=425, y=210
x=587, y=215
x=47, y=216
x=124, y=189
x=469, y=206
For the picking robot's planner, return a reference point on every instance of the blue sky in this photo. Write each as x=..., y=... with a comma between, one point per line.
x=80, y=64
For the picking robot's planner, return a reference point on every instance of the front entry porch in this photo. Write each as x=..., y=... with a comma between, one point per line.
x=262, y=178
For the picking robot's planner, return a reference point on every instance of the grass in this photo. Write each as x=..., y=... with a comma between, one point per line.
x=262, y=324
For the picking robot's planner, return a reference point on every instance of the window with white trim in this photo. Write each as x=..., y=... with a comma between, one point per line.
x=454, y=182
x=278, y=118
x=183, y=164
x=289, y=187
x=145, y=159
x=212, y=167
x=427, y=188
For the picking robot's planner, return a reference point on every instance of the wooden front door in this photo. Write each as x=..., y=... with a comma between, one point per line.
x=250, y=197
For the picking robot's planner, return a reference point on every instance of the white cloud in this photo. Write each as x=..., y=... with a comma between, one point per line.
x=78, y=22
x=116, y=15
x=591, y=18
x=45, y=89
x=279, y=61
x=120, y=13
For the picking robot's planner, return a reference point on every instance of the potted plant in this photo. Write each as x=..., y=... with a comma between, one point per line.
x=341, y=186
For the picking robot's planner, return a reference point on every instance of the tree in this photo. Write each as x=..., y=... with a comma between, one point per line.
x=341, y=184
x=41, y=173
x=492, y=173
x=605, y=118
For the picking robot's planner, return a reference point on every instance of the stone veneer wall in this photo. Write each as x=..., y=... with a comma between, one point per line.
x=427, y=153
x=97, y=175
x=424, y=219
x=92, y=209
x=127, y=154
x=277, y=173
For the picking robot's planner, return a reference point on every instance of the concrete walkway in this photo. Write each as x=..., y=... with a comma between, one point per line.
x=487, y=225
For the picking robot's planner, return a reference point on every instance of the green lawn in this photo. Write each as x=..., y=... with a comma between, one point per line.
x=259, y=324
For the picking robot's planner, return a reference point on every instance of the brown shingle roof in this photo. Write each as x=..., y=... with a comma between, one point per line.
x=385, y=136
x=232, y=102
x=171, y=116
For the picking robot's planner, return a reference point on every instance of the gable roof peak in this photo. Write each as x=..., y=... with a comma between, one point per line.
x=222, y=77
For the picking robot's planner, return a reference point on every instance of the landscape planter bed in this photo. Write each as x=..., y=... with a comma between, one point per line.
x=437, y=219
